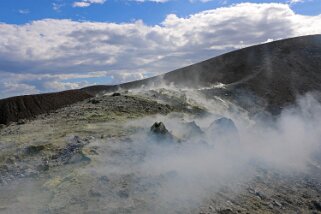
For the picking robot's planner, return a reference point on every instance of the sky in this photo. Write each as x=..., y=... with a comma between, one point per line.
x=54, y=45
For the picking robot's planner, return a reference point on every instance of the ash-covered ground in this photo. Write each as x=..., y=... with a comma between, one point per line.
x=208, y=155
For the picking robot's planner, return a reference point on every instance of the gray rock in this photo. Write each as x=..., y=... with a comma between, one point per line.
x=277, y=203
x=123, y=194
x=77, y=158
x=223, y=130
x=159, y=129
x=316, y=205
x=44, y=166
x=104, y=179
x=72, y=153
x=31, y=172
x=116, y=94
x=94, y=101
x=94, y=193
x=226, y=211
x=192, y=129
x=260, y=194
x=20, y=122
x=34, y=149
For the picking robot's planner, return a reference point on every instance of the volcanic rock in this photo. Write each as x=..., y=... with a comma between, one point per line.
x=116, y=94
x=223, y=130
x=159, y=131
x=34, y=149
x=159, y=128
x=72, y=153
x=317, y=205
x=192, y=129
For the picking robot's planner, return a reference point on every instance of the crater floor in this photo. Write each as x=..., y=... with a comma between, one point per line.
x=97, y=156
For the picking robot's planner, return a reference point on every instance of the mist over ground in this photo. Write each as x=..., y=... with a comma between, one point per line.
x=176, y=176
x=211, y=156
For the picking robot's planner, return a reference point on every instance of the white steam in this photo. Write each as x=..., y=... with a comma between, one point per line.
x=179, y=176
x=138, y=173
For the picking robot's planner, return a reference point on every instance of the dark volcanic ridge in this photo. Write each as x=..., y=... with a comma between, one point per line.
x=25, y=107
x=274, y=73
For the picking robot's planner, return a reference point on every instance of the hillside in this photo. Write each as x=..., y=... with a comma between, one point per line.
x=23, y=107
x=274, y=73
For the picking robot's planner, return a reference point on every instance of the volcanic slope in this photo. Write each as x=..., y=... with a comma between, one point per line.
x=273, y=73
x=25, y=107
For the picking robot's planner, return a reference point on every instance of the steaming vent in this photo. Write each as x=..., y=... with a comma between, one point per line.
x=220, y=131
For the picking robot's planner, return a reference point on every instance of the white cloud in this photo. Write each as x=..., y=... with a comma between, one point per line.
x=87, y=3
x=57, y=50
x=203, y=1
x=127, y=77
x=24, y=11
x=163, y=1
x=58, y=85
x=158, y=1
x=295, y=1
x=81, y=4
x=57, y=6
x=9, y=89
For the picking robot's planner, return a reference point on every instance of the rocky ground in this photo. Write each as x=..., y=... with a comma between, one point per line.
x=94, y=157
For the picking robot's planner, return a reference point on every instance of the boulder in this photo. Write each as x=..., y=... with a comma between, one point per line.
x=223, y=130
x=116, y=94
x=191, y=129
x=316, y=205
x=94, y=101
x=21, y=122
x=159, y=128
x=34, y=149
x=159, y=131
x=71, y=153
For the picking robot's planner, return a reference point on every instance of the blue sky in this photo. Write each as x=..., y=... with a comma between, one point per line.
x=53, y=45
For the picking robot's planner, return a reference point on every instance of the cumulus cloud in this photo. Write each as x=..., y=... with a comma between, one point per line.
x=125, y=51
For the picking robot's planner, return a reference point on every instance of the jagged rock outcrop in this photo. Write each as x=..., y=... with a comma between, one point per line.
x=191, y=130
x=159, y=128
x=160, y=133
